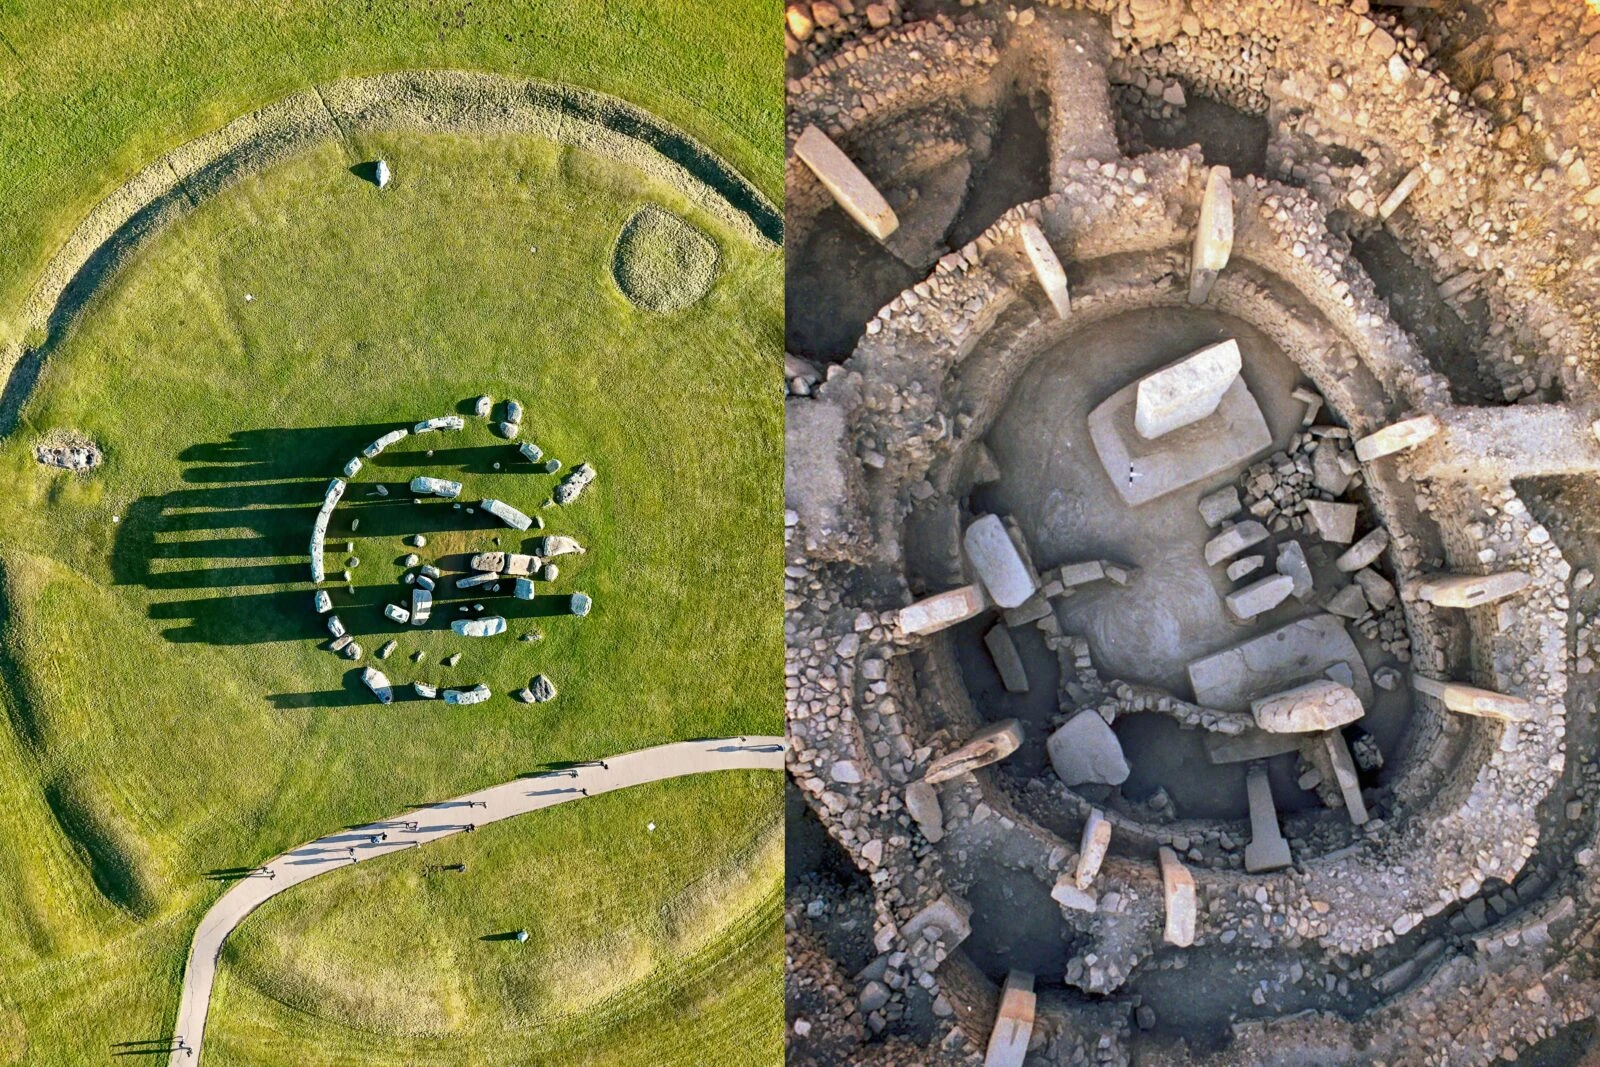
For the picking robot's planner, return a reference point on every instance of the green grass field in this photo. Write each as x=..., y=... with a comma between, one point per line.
x=173, y=710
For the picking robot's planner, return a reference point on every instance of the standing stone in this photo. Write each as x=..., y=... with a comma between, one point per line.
x=1213, y=238
x=1046, y=267
x=1000, y=566
x=1407, y=433
x=323, y=602
x=1085, y=751
x=1013, y=1022
x=1292, y=561
x=1470, y=700
x=922, y=803
x=987, y=746
x=1344, y=773
x=1267, y=850
x=1332, y=521
x=1006, y=660
x=1186, y=391
x=1363, y=552
x=849, y=187
x=1320, y=705
x=1472, y=590
x=380, y=174
x=943, y=610
x=1177, y=886
x=1259, y=597
x=482, y=406
x=421, y=606
x=1092, y=848
x=542, y=689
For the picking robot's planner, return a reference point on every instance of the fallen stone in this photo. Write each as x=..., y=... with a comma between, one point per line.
x=988, y=746
x=1245, y=565
x=488, y=626
x=507, y=514
x=1006, y=660
x=1407, y=185
x=1220, y=505
x=1071, y=575
x=573, y=484
x=1068, y=895
x=1320, y=705
x=476, y=695
x=1178, y=889
x=1408, y=433
x=388, y=649
x=922, y=804
x=1349, y=602
x=1375, y=587
x=397, y=613
x=1230, y=680
x=943, y=610
x=1267, y=850
x=1259, y=597
x=436, y=487
x=1233, y=540
x=1085, y=751
x=850, y=188
x=1326, y=472
x=542, y=688
x=1092, y=848
x=1332, y=521
x=378, y=682
x=1364, y=552
x=1000, y=566
x=1186, y=391
x=1292, y=561
x=1472, y=590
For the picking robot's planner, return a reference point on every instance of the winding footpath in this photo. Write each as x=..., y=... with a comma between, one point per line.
x=432, y=822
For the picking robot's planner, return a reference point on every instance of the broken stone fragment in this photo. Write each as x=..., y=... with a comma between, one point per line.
x=425, y=691
x=987, y=746
x=1092, y=848
x=1006, y=659
x=1364, y=552
x=1220, y=505
x=482, y=406
x=1085, y=751
x=1327, y=473
x=1379, y=593
x=850, y=188
x=1349, y=602
x=1332, y=521
x=1000, y=566
x=1068, y=895
x=1292, y=561
x=1245, y=565
x=1472, y=590
x=1408, y=433
x=542, y=688
x=388, y=649
x=556, y=545
x=1259, y=597
x=1178, y=890
x=1234, y=540
x=1185, y=392
x=1267, y=850
x=1013, y=1022
x=922, y=803
x=1320, y=705
x=1470, y=700
x=573, y=484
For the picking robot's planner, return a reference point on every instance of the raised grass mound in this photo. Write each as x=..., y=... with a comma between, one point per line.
x=661, y=262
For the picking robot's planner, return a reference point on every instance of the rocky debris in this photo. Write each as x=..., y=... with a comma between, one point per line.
x=935, y=931
x=1186, y=391
x=506, y=514
x=436, y=487
x=1234, y=540
x=486, y=626
x=1315, y=706
x=476, y=695
x=850, y=188
x=1259, y=597
x=943, y=610
x=990, y=745
x=1332, y=521
x=573, y=484
x=378, y=682
x=1006, y=660
x=1085, y=751
x=1472, y=590
x=1178, y=890
x=922, y=804
x=1219, y=506
x=69, y=451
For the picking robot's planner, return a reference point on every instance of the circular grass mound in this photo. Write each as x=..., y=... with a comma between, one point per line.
x=661, y=262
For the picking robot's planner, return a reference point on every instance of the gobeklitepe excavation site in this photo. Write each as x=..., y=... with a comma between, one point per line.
x=1191, y=532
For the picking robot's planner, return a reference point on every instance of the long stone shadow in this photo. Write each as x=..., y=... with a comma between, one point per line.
x=259, y=491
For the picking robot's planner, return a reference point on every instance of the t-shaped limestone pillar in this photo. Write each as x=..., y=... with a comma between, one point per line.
x=1046, y=267
x=1470, y=700
x=1178, y=886
x=943, y=610
x=1344, y=773
x=850, y=188
x=986, y=747
x=1471, y=590
x=1013, y=1022
x=1213, y=238
x=1186, y=391
x=1267, y=850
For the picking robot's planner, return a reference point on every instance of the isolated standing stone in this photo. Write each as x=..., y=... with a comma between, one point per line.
x=1085, y=751
x=1046, y=267
x=1320, y=705
x=1186, y=391
x=380, y=173
x=849, y=187
x=1177, y=886
x=998, y=563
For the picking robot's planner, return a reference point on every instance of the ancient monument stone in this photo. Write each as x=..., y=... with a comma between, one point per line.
x=1085, y=751
x=1067, y=893
x=507, y=514
x=943, y=610
x=378, y=682
x=1292, y=561
x=1000, y=566
x=1006, y=660
x=1408, y=433
x=436, y=487
x=987, y=746
x=487, y=626
x=1259, y=597
x=849, y=187
x=1186, y=391
x=397, y=613
x=1267, y=850
x=1332, y=521
x=1472, y=590
x=542, y=689
x=476, y=695
x=1344, y=771
x=421, y=606
x=1319, y=705
x=922, y=803
x=1092, y=848
x=1013, y=1022
x=1470, y=700
x=1046, y=267
x=1213, y=238
x=1178, y=889
x=573, y=484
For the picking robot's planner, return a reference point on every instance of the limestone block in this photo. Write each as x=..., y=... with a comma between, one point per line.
x=849, y=187
x=1092, y=848
x=942, y=610
x=1220, y=505
x=1085, y=750
x=1392, y=202
x=1272, y=662
x=1000, y=566
x=1213, y=238
x=1364, y=552
x=1327, y=474
x=1333, y=521
x=1245, y=565
x=1006, y=660
x=1292, y=561
x=1472, y=590
x=1348, y=603
x=1344, y=772
x=1259, y=597
x=922, y=803
x=1247, y=746
x=1046, y=267
x=950, y=915
x=1470, y=700
x=1068, y=895
x=1177, y=885
x=1075, y=574
x=1234, y=540
x=1375, y=587
x=987, y=746
x=1013, y=1022
x=1267, y=850
x=1186, y=391
x=1407, y=433
x=1320, y=705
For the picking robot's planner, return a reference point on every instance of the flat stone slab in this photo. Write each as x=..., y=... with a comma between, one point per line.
x=1344, y=772
x=1259, y=597
x=1068, y=895
x=1471, y=590
x=1006, y=660
x=1000, y=566
x=850, y=188
x=1320, y=705
x=1234, y=540
x=1396, y=437
x=1143, y=470
x=1470, y=700
x=1013, y=1022
x=1288, y=656
x=943, y=610
x=1292, y=561
x=1085, y=751
x=1364, y=552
